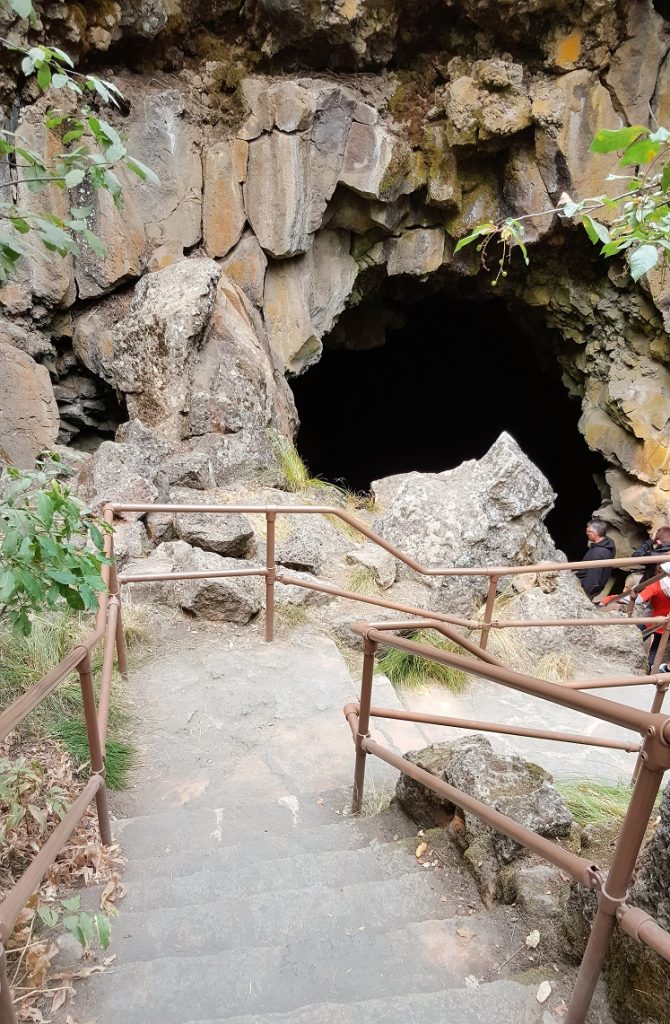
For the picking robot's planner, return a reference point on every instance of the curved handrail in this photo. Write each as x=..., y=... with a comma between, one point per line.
x=364, y=529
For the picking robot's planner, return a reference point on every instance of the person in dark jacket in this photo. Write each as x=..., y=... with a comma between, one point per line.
x=656, y=545
x=600, y=546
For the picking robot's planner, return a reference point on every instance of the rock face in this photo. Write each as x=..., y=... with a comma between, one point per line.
x=324, y=193
x=519, y=789
x=28, y=411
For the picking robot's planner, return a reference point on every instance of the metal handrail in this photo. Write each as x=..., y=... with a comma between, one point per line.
x=612, y=886
x=109, y=629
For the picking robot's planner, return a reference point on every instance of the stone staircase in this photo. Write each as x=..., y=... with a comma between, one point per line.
x=252, y=896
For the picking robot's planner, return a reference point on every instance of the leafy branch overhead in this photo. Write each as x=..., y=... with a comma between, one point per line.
x=92, y=151
x=638, y=216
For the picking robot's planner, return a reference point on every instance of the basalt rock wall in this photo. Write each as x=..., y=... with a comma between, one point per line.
x=318, y=157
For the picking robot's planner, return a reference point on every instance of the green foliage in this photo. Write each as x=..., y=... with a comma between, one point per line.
x=91, y=153
x=408, y=671
x=119, y=756
x=44, y=531
x=594, y=803
x=83, y=926
x=638, y=222
x=22, y=796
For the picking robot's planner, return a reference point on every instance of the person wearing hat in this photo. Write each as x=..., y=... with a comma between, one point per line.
x=656, y=597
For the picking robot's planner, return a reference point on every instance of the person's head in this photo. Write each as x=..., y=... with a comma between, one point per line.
x=596, y=529
x=662, y=536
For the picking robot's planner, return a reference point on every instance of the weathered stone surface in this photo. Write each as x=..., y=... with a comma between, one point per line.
x=418, y=251
x=144, y=18
x=490, y=105
x=486, y=512
x=229, y=535
x=635, y=64
x=526, y=194
x=28, y=412
x=149, y=354
x=223, y=207
x=237, y=384
x=130, y=542
x=123, y=235
x=246, y=265
x=304, y=297
x=120, y=473
x=22, y=334
x=230, y=599
x=517, y=788
x=303, y=168
x=373, y=557
x=367, y=158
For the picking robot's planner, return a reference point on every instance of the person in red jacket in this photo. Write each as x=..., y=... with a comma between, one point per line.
x=656, y=597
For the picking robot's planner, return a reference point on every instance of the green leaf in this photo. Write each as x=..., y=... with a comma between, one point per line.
x=660, y=135
x=24, y=8
x=115, y=152
x=94, y=243
x=45, y=509
x=44, y=77
x=73, y=135
x=74, y=177
x=19, y=224
x=48, y=916
x=641, y=152
x=62, y=56
x=665, y=178
x=481, y=229
x=62, y=576
x=59, y=80
x=71, y=904
x=104, y=930
x=96, y=536
x=7, y=585
x=642, y=260
x=142, y=171
x=608, y=141
x=596, y=231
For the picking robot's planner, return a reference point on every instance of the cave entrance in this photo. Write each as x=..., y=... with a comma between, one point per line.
x=439, y=391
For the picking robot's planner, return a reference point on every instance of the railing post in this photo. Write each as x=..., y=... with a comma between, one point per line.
x=655, y=709
x=488, y=611
x=613, y=892
x=369, y=650
x=95, y=747
x=7, y=1015
x=115, y=591
x=271, y=572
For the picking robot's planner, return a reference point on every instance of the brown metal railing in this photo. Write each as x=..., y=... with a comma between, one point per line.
x=654, y=755
x=612, y=885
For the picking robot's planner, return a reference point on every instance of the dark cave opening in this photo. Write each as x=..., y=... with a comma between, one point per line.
x=440, y=391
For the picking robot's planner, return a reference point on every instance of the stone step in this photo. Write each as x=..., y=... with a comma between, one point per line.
x=426, y=957
x=273, y=918
x=146, y=861
x=500, y=1002
x=215, y=881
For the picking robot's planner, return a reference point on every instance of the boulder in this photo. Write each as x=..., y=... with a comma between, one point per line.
x=230, y=535
x=230, y=599
x=634, y=68
x=305, y=296
x=149, y=354
x=519, y=789
x=382, y=564
x=223, y=216
x=491, y=104
x=123, y=473
x=29, y=419
x=131, y=541
x=526, y=194
x=485, y=512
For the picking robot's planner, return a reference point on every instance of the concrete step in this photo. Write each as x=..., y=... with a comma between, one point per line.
x=426, y=957
x=273, y=918
x=216, y=882
x=500, y=1002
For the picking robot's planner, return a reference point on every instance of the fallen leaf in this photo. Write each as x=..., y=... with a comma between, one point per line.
x=421, y=849
x=543, y=992
x=533, y=940
x=465, y=933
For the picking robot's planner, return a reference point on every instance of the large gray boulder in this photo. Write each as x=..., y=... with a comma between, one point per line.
x=519, y=789
x=230, y=535
x=484, y=512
